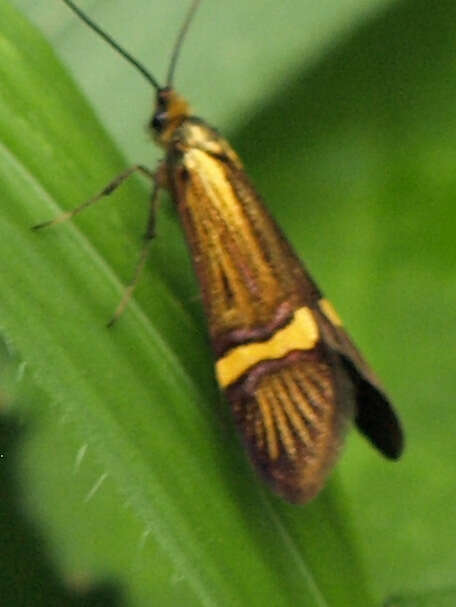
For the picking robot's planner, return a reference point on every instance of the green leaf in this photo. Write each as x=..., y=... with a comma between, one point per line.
x=436, y=598
x=353, y=149
x=138, y=402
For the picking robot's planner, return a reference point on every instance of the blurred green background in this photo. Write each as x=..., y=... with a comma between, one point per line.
x=123, y=482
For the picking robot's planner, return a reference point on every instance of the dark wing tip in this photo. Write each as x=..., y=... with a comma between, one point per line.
x=376, y=419
x=374, y=414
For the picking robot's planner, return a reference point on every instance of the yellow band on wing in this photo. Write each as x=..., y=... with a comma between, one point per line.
x=328, y=310
x=300, y=334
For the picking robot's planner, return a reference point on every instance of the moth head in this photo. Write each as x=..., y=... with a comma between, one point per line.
x=171, y=109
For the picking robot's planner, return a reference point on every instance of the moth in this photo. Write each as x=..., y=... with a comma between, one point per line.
x=291, y=374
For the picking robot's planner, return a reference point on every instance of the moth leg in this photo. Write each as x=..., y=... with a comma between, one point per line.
x=160, y=178
x=148, y=236
x=106, y=191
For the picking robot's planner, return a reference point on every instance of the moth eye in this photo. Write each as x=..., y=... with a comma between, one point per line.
x=158, y=122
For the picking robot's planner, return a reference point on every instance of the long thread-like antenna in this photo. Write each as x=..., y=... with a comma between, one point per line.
x=179, y=40
x=147, y=75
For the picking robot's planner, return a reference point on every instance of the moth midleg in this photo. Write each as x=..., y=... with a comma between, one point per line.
x=159, y=181
x=106, y=191
x=148, y=237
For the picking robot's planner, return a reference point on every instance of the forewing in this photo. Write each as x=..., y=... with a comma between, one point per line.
x=293, y=419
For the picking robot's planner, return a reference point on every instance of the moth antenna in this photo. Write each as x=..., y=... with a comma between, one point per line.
x=179, y=40
x=122, y=52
